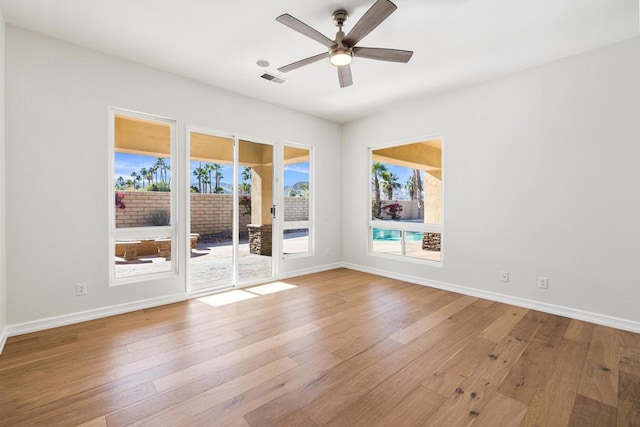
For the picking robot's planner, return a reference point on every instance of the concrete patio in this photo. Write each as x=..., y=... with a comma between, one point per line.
x=210, y=264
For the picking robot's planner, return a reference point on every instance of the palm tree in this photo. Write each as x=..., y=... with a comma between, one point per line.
x=148, y=174
x=390, y=183
x=200, y=173
x=196, y=173
x=160, y=166
x=167, y=168
x=246, y=174
x=410, y=186
x=218, y=177
x=143, y=176
x=206, y=181
x=135, y=179
x=153, y=172
x=376, y=170
x=245, y=187
x=417, y=182
x=208, y=167
x=163, y=168
x=120, y=183
x=419, y=190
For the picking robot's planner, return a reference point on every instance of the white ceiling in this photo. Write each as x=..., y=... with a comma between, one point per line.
x=456, y=42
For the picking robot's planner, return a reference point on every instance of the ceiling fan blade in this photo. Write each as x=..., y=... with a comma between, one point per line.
x=304, y=29
x=392, y=55
x=303, y=62
x=380, y=10
x=344, y=76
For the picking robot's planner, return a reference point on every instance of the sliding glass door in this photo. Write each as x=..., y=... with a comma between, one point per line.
x=230, y=210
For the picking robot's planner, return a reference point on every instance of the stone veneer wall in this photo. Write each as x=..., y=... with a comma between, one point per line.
x=260, y=239
x=210, y=213
x=431, y=241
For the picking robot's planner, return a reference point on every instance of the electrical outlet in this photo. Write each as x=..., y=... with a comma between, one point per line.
x=543, y=283
x=82, y=289
x=504, y=276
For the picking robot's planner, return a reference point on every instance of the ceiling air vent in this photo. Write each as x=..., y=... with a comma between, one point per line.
x=273, y=78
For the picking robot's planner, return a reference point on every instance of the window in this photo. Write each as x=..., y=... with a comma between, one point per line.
x=406, y=200
x=297, y=190
x=142, y=201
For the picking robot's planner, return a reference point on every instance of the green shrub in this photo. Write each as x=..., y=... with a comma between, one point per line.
x=160, y=218
x=159, y=186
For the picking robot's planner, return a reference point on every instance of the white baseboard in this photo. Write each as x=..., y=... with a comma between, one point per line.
x=68, y=319
x=3, y=339
x=573, y=313
x=304, y=271
x=82, y=316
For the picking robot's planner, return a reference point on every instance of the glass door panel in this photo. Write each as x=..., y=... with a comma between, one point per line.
x=296, y=206
x=255, y=220
x=211, y=262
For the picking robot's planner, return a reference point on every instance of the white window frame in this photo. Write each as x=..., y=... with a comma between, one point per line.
x=291, y=225
x=403, y=227
x=136, y=233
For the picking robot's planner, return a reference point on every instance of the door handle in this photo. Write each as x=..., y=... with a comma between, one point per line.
x=273, y=211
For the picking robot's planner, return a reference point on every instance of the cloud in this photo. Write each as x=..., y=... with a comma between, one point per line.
x=297, y=168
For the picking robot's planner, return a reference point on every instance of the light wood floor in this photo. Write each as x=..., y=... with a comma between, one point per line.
x=342, y=348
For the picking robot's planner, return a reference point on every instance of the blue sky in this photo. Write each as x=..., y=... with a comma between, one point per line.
x=298, y=172
x=127, y=163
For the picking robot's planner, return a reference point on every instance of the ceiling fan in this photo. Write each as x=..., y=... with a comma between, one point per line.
x=343, y=48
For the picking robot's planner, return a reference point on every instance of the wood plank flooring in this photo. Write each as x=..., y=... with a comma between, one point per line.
x=339, y=348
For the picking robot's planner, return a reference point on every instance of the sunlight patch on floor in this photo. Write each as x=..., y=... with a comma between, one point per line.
x=271, y=288
x=229, y=297
x=225, y=298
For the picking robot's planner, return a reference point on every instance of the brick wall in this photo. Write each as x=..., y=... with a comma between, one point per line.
x=210, y=213
x=296, y=209
x=138, y=207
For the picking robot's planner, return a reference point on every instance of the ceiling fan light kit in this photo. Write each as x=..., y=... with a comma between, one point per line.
x=343, y=49
x=340, y=57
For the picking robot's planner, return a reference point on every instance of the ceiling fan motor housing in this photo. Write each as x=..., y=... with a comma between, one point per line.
x=340, y=17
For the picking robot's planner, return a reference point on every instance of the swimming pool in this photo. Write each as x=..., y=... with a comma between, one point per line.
x=383, y=234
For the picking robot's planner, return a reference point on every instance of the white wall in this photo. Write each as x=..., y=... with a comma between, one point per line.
x=3, y=239
x=57, y=100
x=541, y=178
